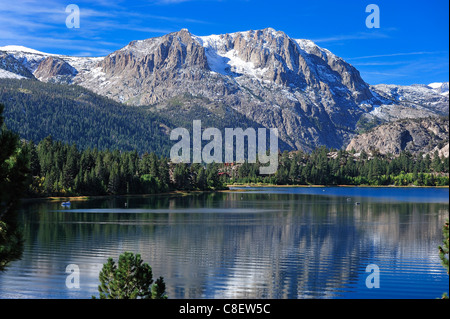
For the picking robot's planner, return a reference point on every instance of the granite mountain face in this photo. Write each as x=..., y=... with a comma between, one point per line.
x=425, y=135
x=311, y=95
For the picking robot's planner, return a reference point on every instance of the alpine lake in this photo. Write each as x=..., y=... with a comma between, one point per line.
x=248, y=242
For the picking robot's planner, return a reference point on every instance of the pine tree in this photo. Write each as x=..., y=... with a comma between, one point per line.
x=212, y=176
x=130, y=278
x=443, y=252
x=181, y=176
x=436, y=162
x=293, y=171
x=114, y=180
x=35, y=167
x=201, y=179
x=154, y=165
x=164, y=176
x=159, y=289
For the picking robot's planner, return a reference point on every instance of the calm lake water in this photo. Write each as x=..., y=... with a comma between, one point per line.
x=252, y=243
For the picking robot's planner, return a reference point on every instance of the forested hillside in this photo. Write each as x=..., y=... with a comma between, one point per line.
x=72, y=114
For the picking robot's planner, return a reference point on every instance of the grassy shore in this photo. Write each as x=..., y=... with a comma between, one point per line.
x=85, y=198
x=187, y=193
x=318, y=186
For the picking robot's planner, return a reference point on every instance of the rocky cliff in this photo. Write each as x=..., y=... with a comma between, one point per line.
x=55, y=70
x=414, y=135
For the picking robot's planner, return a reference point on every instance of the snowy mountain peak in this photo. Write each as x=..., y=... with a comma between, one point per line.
x=19, y=48
x=311, y=95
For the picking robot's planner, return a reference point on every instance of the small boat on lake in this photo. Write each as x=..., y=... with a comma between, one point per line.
x=65, y=204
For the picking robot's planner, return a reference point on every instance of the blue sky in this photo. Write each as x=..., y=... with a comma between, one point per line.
x=411, y=45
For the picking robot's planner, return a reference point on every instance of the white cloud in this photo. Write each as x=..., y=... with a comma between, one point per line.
x=396, y=54
x=41, y=25
x=352, y=36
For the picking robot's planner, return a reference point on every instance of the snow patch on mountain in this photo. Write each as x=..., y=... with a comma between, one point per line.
x=9, y=75
x=440, y=87
x=227, y=62
x=410, y=101
x=31, y=59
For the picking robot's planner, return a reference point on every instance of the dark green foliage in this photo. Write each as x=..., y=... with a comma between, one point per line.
x=331, y=167
x=159, y=289
x=130, y=278
x=443, y=251
x=75, y=115
x=14, y=169
x=63, y=170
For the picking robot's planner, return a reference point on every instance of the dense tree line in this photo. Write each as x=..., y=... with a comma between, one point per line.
x=332, y=167
x=14, y=172
x=60, y=169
